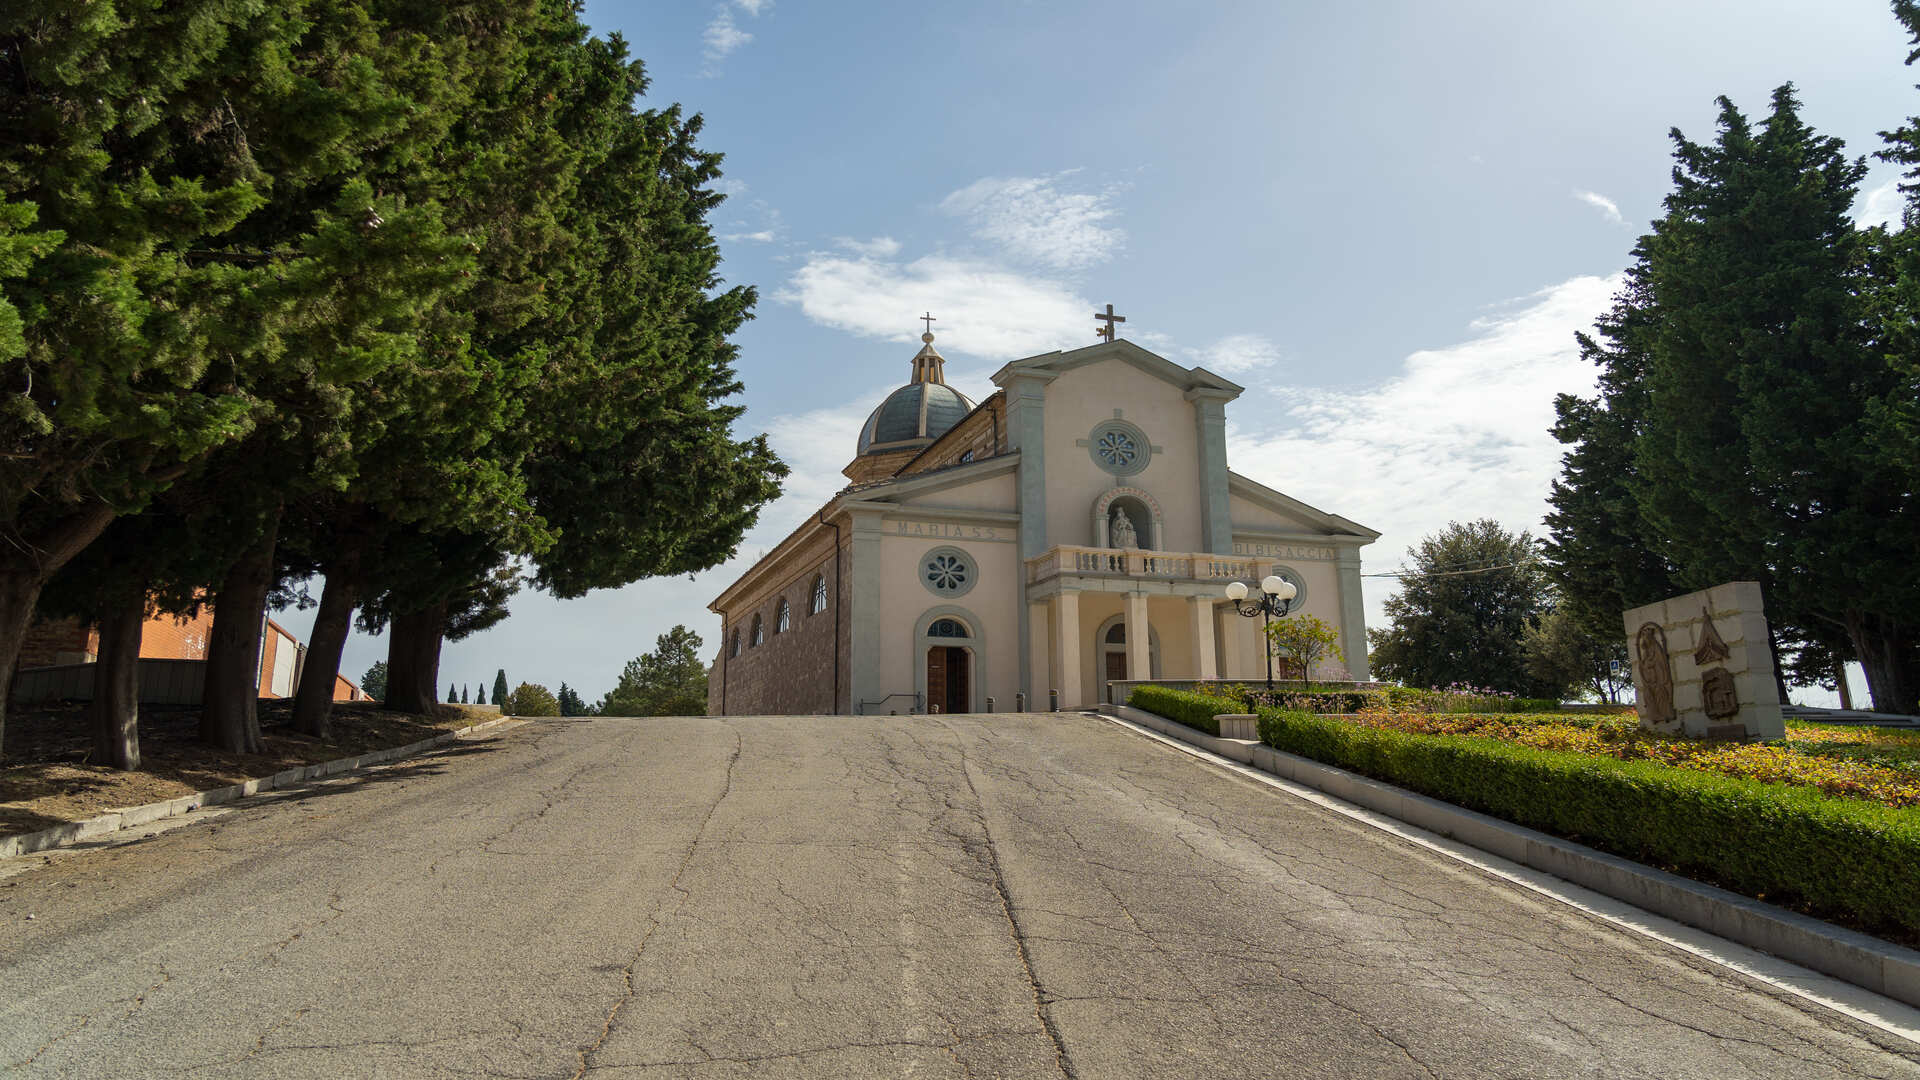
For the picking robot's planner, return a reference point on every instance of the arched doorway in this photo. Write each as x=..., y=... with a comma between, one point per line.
x=1111, y=645
x=949, y=667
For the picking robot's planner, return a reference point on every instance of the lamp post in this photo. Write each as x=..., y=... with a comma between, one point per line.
x=1276, y=596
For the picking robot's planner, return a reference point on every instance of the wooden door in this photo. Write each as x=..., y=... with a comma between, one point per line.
x=959, y=681
x=1116, y=668
x=937, y=678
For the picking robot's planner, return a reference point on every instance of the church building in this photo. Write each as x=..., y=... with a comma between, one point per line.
x=1077, y=527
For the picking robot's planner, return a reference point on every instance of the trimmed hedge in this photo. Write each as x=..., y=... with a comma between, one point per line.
x=1183, y=706
x=1319, y=701
x=1838, y=858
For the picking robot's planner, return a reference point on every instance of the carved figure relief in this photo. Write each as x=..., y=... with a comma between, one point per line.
x=1712, y=650
x=1656, y=674
x=1120, y=530
x=1716, y=691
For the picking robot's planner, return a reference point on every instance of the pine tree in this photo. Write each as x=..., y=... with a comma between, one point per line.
x=453, y=695
x=480, y=694
x=374, y=682
x=500, y=687
x=463, y=693
x=669, y=681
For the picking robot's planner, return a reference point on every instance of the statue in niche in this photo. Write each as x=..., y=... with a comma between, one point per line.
x=1656, y=676
x=1716, y=691
x=1120, y=532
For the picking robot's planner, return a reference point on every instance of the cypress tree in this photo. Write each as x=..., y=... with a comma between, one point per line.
x=500, y=686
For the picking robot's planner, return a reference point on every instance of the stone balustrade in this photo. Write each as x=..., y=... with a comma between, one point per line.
x=1138, y=563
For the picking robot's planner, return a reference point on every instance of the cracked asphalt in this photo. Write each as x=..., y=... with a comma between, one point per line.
x=960, y=896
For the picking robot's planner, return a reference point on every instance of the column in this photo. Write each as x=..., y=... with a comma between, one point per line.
x=1210, y=430
x=1138, y=639
x=1353, y=613
x=1039, y=658
x=1066, y=677
x=863, y=591
x=1201, y=610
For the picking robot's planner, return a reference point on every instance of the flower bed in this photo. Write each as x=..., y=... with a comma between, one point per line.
x=1876, y=764
x=1850, y=859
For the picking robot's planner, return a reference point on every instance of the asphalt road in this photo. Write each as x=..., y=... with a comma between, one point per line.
x=1032, y=896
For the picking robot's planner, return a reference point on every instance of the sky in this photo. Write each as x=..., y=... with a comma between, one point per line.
x=1387, y=220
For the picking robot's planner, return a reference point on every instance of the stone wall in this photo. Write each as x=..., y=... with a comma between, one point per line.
x=789, y=673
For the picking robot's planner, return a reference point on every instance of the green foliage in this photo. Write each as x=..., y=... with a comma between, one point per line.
x=463, y=693
x=1838, y=857
x=500, y=687
x=669, y=681
x=1184, y=706
x=453, y=695
x=1757, y=404
x=374, y=682
x=1470, y=593
x=1560, y=652
x=1318, y=701
x=570, y=703
x=531, y=699
x=480, y=695
x=1306, y=640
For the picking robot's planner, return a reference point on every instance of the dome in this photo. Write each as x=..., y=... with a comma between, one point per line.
x=917, y=413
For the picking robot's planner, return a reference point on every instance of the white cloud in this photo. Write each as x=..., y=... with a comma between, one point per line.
x=880, y=247
x=764, y=236
x=1881, y=206
x=723, y=37
x=753, y=7
x=1034, y=219
x=1607, y=207
x=730, y=187
x=984, y=310
x=1236, y=354
x=1460, y=433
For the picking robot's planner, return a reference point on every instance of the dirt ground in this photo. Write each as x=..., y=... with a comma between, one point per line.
x=46, y=779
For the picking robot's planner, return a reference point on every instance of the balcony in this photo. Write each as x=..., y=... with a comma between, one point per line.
x=1135, y=564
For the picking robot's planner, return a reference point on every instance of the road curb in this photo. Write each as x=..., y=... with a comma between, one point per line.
x=1848, y=955
x=73, y=832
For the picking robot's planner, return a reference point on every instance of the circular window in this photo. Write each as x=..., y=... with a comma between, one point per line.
x=948, y=571
x=1119, y=447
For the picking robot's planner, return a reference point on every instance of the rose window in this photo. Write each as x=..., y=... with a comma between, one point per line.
x=1117, y=449
x=946, y=573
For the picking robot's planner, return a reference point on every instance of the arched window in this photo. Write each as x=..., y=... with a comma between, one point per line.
x=734, y=649
x=782, y=617
x=953, y=628
x=1117, y=635
x=759, y=635
x=819, y=595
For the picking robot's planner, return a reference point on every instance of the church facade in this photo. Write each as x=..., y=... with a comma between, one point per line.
x=1077, y=527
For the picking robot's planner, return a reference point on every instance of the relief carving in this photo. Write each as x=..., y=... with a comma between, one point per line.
x=1656, y=675
x=1712, y=650
x=1716, y=690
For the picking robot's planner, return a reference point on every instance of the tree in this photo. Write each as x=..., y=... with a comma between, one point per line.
x=374, y=682
x=480, y=695
x=531, y=699
x=570, y=703
x=669, y=681
x=453, y=695
x=1470, y=593
x=463, y=693
x=500, y=687
x=1306, y=640
x=1746, y=426
x=1562, y=654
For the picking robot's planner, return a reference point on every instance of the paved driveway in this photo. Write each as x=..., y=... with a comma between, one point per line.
x=956, y=896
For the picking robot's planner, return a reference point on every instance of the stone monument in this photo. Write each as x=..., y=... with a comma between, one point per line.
x=1120, y=530
x=1703, y=666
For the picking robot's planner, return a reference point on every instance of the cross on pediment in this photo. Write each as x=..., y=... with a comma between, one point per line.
x=1106, y=332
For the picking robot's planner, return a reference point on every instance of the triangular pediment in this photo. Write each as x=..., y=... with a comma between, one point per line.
x=1047, y=366
x=1284, y=511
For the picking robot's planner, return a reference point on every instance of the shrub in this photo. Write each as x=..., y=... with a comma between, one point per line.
x=1838, y=858
x=1183, y=706
x=531, y=699
x=1319, y=701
